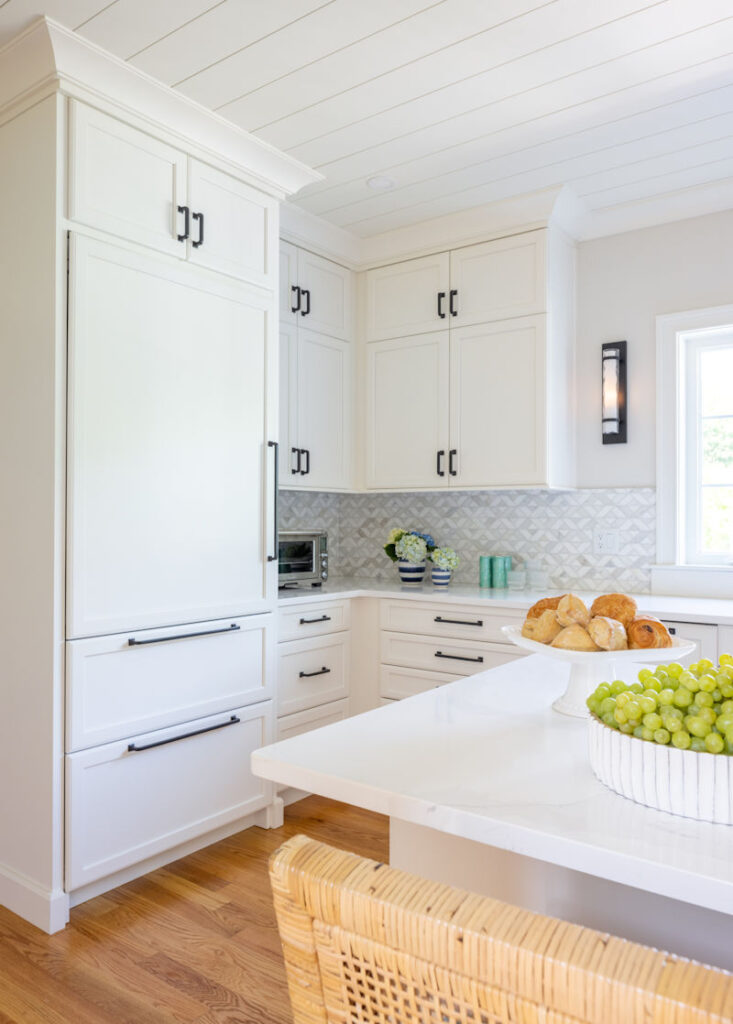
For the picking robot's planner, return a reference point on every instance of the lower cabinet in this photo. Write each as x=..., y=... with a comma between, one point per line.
x=303, y=721
x=131, y=799
x=704, y=634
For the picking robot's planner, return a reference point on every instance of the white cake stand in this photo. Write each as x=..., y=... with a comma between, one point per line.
x=589, y=668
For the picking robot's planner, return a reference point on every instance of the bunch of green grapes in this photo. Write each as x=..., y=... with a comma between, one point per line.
x=691, y=708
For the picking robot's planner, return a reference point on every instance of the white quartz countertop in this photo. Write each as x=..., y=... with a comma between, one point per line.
x=486, y=758
x=682, y=609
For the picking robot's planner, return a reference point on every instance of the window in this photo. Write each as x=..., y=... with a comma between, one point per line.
x=695, y=441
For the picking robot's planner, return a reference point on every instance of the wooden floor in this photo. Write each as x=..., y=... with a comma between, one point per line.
x=195, y=941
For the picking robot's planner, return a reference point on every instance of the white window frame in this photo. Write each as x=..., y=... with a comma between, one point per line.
x=671, y=575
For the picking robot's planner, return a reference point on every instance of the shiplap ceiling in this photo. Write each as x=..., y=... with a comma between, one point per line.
x=459, y=102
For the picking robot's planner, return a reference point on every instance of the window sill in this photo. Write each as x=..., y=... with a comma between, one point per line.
x=693, y=580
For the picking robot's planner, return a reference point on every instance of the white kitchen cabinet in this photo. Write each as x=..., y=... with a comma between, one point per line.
x=168, y=455
x=130, y=800
x=703, y=633
x=497, y=280
x=407, y=298
x=397, y=682
x=318, y=619
x=458, y=622
x=325, y=296
x=312, y=672
x=315, y=718
x=457, y=657
x=497, y=404
x=407, y=412
x=288, y=278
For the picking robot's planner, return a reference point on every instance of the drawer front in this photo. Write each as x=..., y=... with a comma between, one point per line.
x=312, y=672
x=457, y=657
x=704, y=634
x=461, y=622
x=304, y=721
x=123, y=806
x=397, y=683
x=313, y=620
x=117, y=689
x=125, y=182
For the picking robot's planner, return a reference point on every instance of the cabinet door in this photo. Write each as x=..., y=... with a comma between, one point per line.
x=169, y=510
x=324, y=410
x=235, y=225
x=403, y=299
x=499, y=279
x=125, y=182
x=497, y=403
x=326, y=306
x=407, y=412
x=288, y=380
x=287, y=282
x=705, y=634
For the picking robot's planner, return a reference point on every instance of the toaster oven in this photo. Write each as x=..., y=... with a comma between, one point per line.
x=302, y=557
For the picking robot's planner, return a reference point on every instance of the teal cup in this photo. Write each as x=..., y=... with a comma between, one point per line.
x=499, y=571
x=484, y=571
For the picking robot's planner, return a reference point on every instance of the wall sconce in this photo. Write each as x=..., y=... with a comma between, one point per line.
x=613, y=385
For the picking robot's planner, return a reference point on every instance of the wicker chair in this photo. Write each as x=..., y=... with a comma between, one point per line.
x=368, y=944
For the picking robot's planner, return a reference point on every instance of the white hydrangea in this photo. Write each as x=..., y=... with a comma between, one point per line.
x=445, y=558
x=394, y=535
x=412, y=548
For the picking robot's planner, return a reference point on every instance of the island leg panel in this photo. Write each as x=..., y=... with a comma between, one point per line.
x=699, y=933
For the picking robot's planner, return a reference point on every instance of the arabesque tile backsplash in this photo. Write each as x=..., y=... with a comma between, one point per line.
x=554, y=527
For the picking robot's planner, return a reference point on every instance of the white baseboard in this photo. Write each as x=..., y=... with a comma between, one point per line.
x=46, y=909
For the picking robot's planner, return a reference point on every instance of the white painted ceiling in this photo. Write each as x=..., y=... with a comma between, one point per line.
x=459, y=102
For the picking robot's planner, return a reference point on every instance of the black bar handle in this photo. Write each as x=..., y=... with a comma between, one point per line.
x=458, y=657
x=132, y=642
x=186, y=223
x=306, y=452
x=438, y=468
x=296, y=451
x=307, y=293
x=451, y=296
x=309, y=622
x=458, y=622
x=233, y=720
x=309, y=675
x=451, y=455
x=200, y=218
x=672, y=630
x=441, y=296
x=275, y=487
x=296, y=307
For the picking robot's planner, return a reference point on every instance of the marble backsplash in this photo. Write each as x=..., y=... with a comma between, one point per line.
x=554, y=527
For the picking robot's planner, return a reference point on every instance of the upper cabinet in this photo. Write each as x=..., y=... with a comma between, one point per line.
x=136, y=187
x=315, y=293
x=475, y=284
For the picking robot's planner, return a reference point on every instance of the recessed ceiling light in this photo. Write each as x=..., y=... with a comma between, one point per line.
x=380, y=183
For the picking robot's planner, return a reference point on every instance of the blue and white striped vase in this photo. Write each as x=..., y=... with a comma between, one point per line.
x=411, y=573
x=441, y=577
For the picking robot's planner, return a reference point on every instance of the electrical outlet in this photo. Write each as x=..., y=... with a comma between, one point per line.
x=605, y=542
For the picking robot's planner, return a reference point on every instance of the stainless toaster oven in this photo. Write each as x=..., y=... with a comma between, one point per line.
x=302, y=557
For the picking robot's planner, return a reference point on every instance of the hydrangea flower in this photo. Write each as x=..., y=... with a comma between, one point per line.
x=411, y=547
x=394, y=535
x=445, y=558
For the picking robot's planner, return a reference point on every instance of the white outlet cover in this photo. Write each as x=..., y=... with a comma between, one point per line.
x=605, y=542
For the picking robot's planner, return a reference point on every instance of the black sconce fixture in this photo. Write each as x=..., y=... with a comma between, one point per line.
x=613, y=392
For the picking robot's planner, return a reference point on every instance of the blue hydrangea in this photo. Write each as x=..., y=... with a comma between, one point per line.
x=412, y=548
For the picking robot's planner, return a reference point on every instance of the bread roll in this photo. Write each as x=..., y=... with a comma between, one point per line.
x=571, y=610
x=615, y=606
x=546, y=627
x=609, y=634
x=574, y=638
x=646, y=632
x=540, y=606
x=528, y=628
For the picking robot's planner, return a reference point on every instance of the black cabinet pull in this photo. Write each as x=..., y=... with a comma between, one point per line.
x=131, y=747
x=296, y=451
x=296, y=307
x=306, y=311
x=441, y=296
x=132, y=642
x=458, y=657
x=438, y=469
x=200, y=218
x=275, y=485
x=309, y=675
x=458, y=622
x=309, y=622
x=306, y=452
x=672, y=630
x=451, y=296
x=186, y=223
x=451, y=468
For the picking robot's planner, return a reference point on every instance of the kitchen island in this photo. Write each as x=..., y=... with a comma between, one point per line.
x=489, y=789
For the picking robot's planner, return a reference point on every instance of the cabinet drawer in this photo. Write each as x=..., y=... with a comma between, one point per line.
x=123, y=806
x=398, y=683
x=441, y=620
x=117, y=689
x=312, y=672
x=458, y=657
x=304, y=721
x=313, y=620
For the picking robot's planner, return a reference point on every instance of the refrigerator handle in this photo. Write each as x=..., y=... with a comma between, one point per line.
x=275, y=478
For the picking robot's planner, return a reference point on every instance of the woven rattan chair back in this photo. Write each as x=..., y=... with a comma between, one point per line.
x=368, y=944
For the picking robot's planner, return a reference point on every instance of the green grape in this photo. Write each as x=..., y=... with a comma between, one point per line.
x=635, y=688
x=652, y=720
x=671, y=712
x=638, y=730
x=661, y=673
x=672, y=725
x=726, y=706
x=704, y=699
x=617, y=686
x=693, y=668
x=717, y=695
x=625, y=727
x=714, y=743
x=729, y=735
x=726, y=659
x=726, y=690
x=674, y=669
x=707, y=715
x=632, y=709
x=622, y=699
x=592, y=704
x=691, y=682
x=708, y=683
x=704, y=664
x=681, y=739
x=608, y=704
x=697, y=744
x=620, y=716
x=652, y=695
x=661, y=736
x=696, y=727
x=724, y=722
x=603, y=690
x=647, y=704
x=633, y=722
x=608, y=719
x=666, y=696
x=647, y=734
x=645, y=674
x=653, y=684
x=682, y=697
